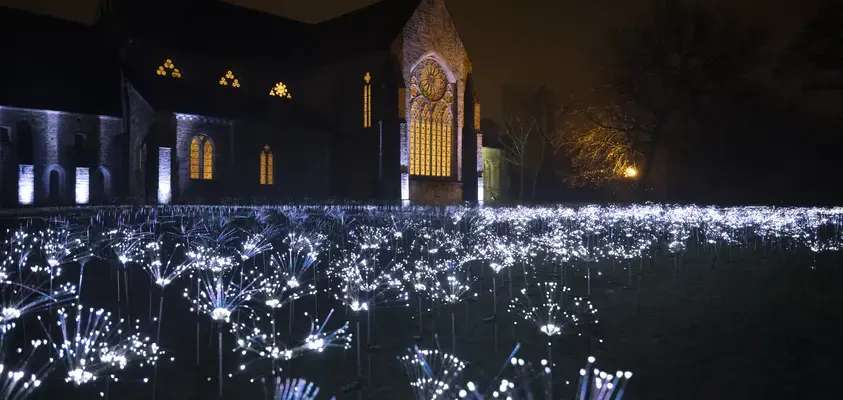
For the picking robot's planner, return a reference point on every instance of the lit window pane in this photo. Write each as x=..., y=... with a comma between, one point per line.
x=194, y=158
x=270, y=171
x=263, y=168
x=208, y=160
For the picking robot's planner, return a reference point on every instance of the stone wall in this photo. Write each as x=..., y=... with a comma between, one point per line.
x=219, y=131
x=430, y=33
x=435, y=192
x=141, y=119
x=493, y=164
x=335, y=95
x=47, y=140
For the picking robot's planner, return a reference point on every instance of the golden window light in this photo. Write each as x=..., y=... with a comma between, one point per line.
x=367, y=101
x=168, y=68
x=477, y=116
x=194, y=158
x=431, y=122
x=202, y=149
x=270, y=171
x=263, y=168
x=208, y=160
x=229, y=78
x=280, y=90
x=267, y=172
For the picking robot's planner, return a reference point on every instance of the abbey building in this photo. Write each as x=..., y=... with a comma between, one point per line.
x=200, y=101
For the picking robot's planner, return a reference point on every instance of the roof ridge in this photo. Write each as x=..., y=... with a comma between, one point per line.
x=368, y=9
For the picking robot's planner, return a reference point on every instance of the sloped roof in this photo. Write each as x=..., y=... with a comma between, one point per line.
x=174, y=95
x=369, y=28
x=215, y=27
x=54, y=64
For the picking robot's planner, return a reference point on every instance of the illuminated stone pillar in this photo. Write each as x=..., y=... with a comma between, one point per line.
x=479, y=156
x=26, y=184
x=480, y=193
x=405, y=163
x=405, y=187
x=83, y=188
x=165, y=192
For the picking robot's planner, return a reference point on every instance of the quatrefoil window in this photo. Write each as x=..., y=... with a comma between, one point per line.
x=168, y=69
x=229, y=79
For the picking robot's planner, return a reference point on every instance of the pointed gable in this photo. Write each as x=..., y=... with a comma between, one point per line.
x=367, y=29
x=431, y=30
x=430, y=33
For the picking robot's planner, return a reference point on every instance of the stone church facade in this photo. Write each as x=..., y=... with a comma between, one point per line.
x=199, y=101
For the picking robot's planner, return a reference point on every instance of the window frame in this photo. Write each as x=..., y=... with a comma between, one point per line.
x=202, y=140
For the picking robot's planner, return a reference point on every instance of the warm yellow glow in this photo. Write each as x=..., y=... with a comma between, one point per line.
x=168, y=69
x=630, y=172
x=194, y=158
x=270, y=171
x=263, y=168
x=431, y=122
x=208, y=160
x=267, y=172
x=229, y=79
x=201, y=149
x=280, y=90
x=431, y=80
x=367, y=101
x=476, y=116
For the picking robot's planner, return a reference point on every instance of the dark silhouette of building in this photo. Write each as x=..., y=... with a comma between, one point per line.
x=183, y=101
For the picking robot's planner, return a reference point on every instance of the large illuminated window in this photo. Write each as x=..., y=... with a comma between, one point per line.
x=229, y=80
x=168, y=69
x=431, y=121
x=367, y=101
x=267, y=170
x=201, y=158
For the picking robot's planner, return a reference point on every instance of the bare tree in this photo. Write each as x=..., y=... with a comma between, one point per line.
x=669, y=73
x=602, y=143
x=516, y=135
x=526, y=132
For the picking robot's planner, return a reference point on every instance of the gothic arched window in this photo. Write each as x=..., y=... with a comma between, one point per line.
x=267, y=171
x=367, y=101
x=201, y=158
x=431, y=121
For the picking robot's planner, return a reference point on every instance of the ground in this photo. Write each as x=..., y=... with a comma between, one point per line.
x=725, y=322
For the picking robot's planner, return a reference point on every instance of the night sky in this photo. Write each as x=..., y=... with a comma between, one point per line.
x=523, y=43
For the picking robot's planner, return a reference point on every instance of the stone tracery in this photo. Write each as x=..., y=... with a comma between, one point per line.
x=431, y=122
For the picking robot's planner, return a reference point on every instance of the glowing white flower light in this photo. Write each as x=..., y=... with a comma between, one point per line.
x=9, y=314
x=220, y=314
x=550, y=329
x=266, y=345
x=92, y=344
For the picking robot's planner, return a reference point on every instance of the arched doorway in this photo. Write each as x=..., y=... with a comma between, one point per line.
x=101, y=186
x=54, y=191
x=53, y=179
